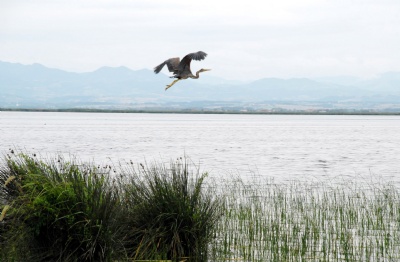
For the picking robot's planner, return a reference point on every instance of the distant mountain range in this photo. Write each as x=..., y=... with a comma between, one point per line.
x=38, y=86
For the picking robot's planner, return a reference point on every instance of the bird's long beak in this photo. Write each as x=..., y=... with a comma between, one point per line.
x=206, y=69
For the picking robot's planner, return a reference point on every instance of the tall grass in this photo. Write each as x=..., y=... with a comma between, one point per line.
x=265, y=221
x=170, y=213
x=59, y=211
x=63, y=210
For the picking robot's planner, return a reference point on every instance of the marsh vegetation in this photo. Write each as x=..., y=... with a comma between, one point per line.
x=57, y=209
x=63, y=210
x=348, y=221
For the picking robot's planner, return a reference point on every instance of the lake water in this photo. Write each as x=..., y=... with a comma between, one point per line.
x=283, y=147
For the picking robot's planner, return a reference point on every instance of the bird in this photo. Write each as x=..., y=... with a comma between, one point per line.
x=181, y=68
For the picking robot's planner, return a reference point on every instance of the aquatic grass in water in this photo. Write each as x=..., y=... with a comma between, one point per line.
x=171, y=214
x=61, y=210
x=264, y=221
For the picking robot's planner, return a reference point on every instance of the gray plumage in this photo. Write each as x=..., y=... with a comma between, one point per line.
x=181, y=68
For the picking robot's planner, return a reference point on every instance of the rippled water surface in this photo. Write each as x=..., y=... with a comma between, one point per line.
x=284, y=147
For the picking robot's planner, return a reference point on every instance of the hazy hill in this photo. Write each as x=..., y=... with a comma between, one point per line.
x=33, y=85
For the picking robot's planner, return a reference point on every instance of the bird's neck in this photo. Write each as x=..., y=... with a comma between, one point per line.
x=197, y=75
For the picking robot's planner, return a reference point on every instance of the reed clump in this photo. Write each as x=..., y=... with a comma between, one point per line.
x=59, y=210
x=63, y=210
x=171, y=214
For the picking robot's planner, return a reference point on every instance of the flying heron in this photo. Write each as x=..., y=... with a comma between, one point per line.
x=181, y=69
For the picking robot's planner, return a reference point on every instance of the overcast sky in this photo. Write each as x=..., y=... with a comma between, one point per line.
x=245, y=40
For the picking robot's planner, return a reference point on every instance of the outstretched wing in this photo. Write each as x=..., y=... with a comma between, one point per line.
x=172, y=64
x=184, y=65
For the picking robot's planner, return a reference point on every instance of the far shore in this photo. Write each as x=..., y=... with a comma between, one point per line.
x=216, y=111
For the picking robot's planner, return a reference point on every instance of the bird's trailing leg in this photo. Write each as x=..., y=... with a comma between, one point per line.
x=168, y=86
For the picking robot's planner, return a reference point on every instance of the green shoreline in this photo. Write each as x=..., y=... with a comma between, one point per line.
x=202, y=111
